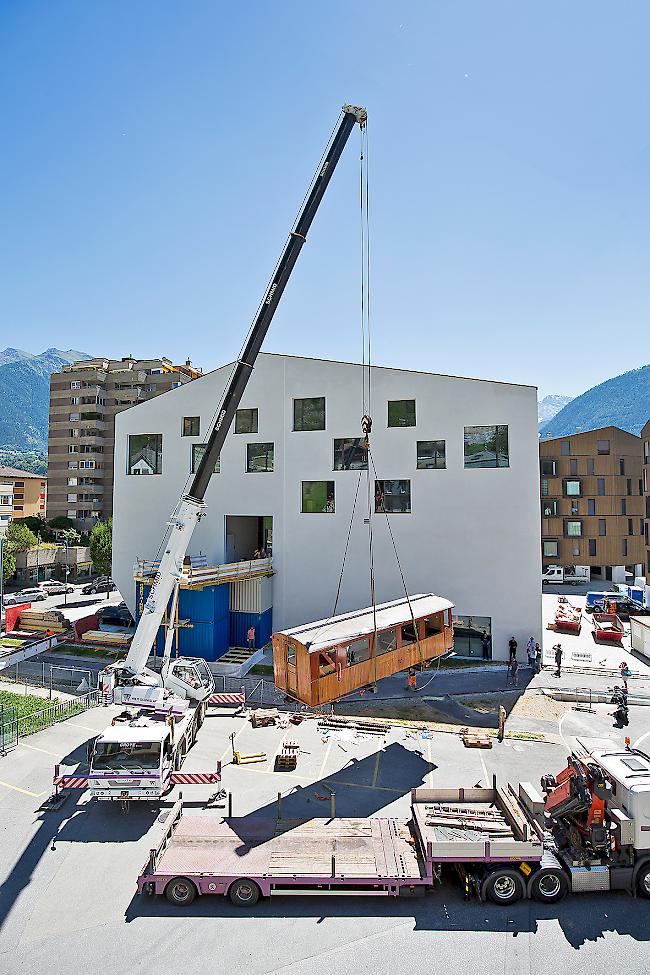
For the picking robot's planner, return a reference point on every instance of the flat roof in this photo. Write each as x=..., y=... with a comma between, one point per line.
x=360, y=623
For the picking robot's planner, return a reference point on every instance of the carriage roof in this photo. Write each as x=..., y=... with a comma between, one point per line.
x=352, y=626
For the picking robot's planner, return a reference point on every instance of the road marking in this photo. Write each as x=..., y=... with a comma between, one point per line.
x=484, y=767
x=84, y=727
x=639, y=740
x=376, y=770
x=228, y=749
x=325, y=757
x=44, y=750
x=25, y=792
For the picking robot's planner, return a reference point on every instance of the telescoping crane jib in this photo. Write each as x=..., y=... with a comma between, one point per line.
x=133, y=671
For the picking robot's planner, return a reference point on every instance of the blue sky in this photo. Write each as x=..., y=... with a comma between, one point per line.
x=155, y=153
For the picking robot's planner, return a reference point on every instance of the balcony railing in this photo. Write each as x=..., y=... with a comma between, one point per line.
x=198, y=577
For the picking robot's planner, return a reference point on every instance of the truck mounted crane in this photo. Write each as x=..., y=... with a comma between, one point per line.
x=182, y=688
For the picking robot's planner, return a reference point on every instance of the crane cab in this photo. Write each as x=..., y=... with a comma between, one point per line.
x=189, y=678
x=323, y=661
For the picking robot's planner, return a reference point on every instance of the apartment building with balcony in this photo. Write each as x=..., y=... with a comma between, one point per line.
x=592, y=504
x=84, y=400
x=28, y=492
x=6, y=505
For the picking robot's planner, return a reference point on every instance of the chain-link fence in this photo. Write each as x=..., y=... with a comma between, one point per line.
x=54, y=677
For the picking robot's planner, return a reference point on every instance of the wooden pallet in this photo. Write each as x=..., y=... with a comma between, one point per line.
x=477, y=741
x=287, y=758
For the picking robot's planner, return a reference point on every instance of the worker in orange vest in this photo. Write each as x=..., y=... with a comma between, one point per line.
x=412, y=680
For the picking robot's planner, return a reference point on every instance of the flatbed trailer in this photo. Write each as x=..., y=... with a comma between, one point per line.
x=489, y=836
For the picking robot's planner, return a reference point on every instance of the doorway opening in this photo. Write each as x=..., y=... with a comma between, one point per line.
x=248, y=534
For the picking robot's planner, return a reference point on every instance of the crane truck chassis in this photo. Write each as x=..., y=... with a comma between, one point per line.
x=591, y=833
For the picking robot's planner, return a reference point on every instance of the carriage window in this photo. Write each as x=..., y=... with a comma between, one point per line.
x=325, y=665
x=291, y=655
x=386, y=642
x=358, y=651
x=432, y=625
x=409, y=634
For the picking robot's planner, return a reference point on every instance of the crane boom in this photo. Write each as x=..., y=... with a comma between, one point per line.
x=191, y=506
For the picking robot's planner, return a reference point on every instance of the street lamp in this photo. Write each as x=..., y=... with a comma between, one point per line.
x=67, y=571
x=38, y=550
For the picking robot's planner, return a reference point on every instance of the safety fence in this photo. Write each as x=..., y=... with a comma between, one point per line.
x=14, y=726
x=54, y=677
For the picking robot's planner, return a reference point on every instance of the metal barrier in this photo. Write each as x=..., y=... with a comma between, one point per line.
x=29, y=724
x=54, y=677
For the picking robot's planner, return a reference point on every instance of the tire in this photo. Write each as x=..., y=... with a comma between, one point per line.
x=244, y=893
x=200, y=716
x=180, y=757
x=180, y=892
x=504, y=887
x=643, y=881
x=549, y=885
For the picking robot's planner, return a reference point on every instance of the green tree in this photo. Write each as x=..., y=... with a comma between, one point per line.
x=8, y=562
x=69, y=535
x=19, y=538
x=61, y=522
x=101, y=546
x=38, y=526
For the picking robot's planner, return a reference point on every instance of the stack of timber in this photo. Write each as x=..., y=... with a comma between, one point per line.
x=49, y=621
x=262, y=718
x=476, y=740
x=106, y=638
x=333, y=723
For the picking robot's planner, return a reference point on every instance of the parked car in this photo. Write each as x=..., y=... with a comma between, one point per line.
x=25, y=596
x=54, y=588
x=118, y=615
x=99, y=585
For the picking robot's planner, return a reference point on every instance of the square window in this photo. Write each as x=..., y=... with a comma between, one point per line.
x=318, y=497
x=486, y=446
x=550, y=508
x=572, y=489
x=573, y=529
x=309, y=414
x=409, y=634
x=386, y=642
x=246, y=421
x=191, y=426
x=548, y=467
x=393, y=497
x=401, y=412
x=431, y=455
x=550, y=548
x=198, y=449
x=350, y=455
x=432, y=625
x=602, y=446
x=565, y=448
x=259, y=458
x=145, y=453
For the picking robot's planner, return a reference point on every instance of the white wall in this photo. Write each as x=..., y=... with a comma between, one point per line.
x=473, y=535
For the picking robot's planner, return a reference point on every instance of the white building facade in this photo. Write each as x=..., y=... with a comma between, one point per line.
x=455, y=474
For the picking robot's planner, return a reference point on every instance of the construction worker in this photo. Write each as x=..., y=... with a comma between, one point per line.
x=502, y=722
x=558, y=659
x=251, y=637
x=412, y=680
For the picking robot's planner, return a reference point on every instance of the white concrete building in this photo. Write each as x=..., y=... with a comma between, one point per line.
x=6, y=506
x=459, y=458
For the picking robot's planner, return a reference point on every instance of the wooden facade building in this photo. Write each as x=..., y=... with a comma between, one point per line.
x=323, y=661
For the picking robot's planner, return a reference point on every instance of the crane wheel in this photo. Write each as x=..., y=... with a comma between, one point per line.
x=504, y=887
x=180, y=892
x=244, y=893
x=549, y=886
x=643, y=881
x=180, y=757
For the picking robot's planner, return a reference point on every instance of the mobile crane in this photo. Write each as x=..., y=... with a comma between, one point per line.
x=178, y=695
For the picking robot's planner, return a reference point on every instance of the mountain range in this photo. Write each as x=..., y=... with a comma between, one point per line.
x=25, y=395
x=623, y=401
x=549, y=406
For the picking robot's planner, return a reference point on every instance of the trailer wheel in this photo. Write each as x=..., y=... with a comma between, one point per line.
x=244, y=893
x=643, y=881
x=180, y=892
x=200, y=715
x=504, y=887
x=549, y=886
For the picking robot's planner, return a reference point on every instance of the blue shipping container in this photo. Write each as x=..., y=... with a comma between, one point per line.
x=207, y=609
x=240, y=623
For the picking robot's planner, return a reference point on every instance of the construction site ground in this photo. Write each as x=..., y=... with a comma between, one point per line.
x=67, y=901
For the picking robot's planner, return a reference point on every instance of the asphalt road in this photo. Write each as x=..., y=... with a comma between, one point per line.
x=67, y=901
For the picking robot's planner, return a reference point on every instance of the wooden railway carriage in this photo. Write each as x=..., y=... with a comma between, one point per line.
x=323, y=661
